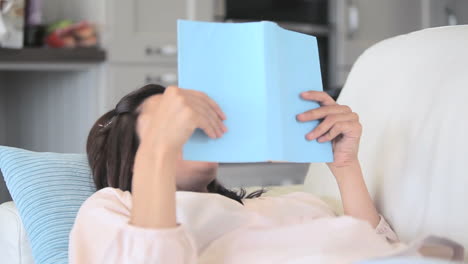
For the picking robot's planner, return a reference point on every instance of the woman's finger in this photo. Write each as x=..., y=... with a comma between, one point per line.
x=321, y=97
x=201, y=114
x=209, y=131
x=209, y=116
x=341, y=128
x=207, y=126
x=211, y=103
x=209, y=111
x=329, y=122
x=204, y=123
x=322, y=112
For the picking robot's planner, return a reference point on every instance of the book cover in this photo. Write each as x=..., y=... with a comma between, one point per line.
x=255, y=71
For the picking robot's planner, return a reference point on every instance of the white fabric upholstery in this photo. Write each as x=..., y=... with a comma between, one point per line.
x=411, y=93
x=14, y=245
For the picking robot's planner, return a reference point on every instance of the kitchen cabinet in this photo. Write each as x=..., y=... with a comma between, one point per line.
x=146, y=30
x=460, y=8
x=358, y=24
x=442, y=12
x=142, y=42
x=122, y=79
x=448, y=12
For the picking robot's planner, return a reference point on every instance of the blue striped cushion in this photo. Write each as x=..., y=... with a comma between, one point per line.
x=48, y=189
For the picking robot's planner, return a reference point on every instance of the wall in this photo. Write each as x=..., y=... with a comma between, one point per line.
x=4, y=195
x=2, y=110
x=51, y=111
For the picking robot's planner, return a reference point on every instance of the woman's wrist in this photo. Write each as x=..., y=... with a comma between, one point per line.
x=352, y=169
x=356, y=199
x=157, y=146
x=154, y=186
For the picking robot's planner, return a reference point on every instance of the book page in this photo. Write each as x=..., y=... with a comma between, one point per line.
x=298, y=71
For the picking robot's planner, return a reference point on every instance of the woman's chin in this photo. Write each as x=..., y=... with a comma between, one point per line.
x=195, y=175
x=201, y=165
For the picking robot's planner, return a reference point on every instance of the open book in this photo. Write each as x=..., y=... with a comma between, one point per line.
x=255, y=72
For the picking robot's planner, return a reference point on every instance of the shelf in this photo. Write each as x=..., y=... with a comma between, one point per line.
x=50, y=59
x=318, y=30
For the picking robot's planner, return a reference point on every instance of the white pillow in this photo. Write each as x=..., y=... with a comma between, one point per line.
x=14, y=245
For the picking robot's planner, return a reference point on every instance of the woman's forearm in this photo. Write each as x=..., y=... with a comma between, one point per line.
x=153, y=187
x=354, y=194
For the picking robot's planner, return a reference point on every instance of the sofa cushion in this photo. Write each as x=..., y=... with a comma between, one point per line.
x=48, y=189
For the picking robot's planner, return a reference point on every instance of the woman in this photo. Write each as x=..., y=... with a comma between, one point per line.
x=135, y=152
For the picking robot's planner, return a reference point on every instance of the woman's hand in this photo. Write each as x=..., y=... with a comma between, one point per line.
x=340, y=125
x=172, y=117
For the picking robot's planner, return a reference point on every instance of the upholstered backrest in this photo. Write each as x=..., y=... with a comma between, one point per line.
x=411, y=93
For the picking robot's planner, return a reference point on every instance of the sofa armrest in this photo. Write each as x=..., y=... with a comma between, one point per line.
x=14, y=244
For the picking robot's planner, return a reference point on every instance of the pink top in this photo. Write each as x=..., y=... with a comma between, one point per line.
x=293, y=228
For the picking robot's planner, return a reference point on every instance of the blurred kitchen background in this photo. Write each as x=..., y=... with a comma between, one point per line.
x=63, y=63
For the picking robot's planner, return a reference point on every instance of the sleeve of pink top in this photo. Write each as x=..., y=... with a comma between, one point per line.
x=383, y=229
x=102, y=234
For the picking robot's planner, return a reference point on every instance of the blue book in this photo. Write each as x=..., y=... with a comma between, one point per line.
x=255, y=72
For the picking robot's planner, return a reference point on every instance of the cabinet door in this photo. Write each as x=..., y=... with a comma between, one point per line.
x=358, y=24
x=439, y=12
x=447, y=12
x=122, y=79
x=146, y=30
x=460, y=12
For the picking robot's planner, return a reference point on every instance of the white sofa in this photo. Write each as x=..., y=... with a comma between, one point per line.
x=411, y=92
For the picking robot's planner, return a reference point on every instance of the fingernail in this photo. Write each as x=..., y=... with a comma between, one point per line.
x=224, y=127
x=299, y=117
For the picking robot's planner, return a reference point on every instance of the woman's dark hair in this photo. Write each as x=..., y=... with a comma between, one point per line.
x=113, y=142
